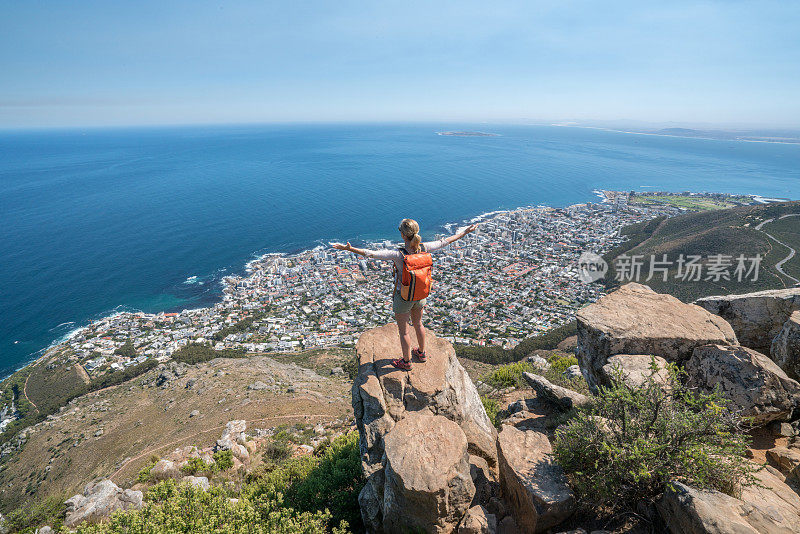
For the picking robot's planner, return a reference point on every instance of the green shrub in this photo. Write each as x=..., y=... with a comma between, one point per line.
x=199, y=353
x=195, y=466
x=172, y=507
x=308, y=495
x=31, y=515
x=144, y=472
x=223, y=460
x=559, y=363
x=509, y=375
x=332, y=480
x=127, y=349
x=350, y=366
x=492, y=409
x=634, y=440
x=494, y=355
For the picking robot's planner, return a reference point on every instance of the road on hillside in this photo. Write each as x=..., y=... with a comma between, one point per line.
x=792, y=252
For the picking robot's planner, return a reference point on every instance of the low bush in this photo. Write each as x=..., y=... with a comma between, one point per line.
x=507, y=376
x=223, y=460
x=633, y=441
x=29, y=516
x=172, y=507
x=195, y=466
x=492, y=354
x=492, y=408
x=144, y=473
x=307, y=495
x=127, y=350
x=276, y=450
x=350, y=366
x=559, y=363
x=200, y=352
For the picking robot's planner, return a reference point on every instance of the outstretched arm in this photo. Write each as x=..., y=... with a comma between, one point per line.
x=468, y=230
x=350, y=248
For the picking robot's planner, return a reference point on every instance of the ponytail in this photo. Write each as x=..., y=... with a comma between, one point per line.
x=410, y=230
x=415, y=241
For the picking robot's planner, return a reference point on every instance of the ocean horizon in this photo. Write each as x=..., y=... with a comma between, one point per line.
x=152, y=219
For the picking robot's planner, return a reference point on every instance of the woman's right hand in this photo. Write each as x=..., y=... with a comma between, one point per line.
x=348, y=247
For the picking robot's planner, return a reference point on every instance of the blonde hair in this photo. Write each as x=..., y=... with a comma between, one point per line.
x=410, y=230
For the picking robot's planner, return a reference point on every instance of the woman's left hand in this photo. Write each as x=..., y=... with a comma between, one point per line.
x=471, y=228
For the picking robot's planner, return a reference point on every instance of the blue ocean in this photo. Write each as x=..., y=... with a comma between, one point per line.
x=100, y=220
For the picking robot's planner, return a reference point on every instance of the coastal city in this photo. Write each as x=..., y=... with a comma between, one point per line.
x=514, y=277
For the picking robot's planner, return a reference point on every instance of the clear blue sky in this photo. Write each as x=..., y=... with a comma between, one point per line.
x=166, y=62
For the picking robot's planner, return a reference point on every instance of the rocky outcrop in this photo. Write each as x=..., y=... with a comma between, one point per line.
x=561, y=397
x=384, y=396
x=98, y=501
x=785, y=349
x=771, y=507
x=755, y=317
x=787, y=460
x=535, y=487
x=234, y=439
x=636, y=320
x=753, y=382
x=428, y=484
x=634, y=369
x=164, y=469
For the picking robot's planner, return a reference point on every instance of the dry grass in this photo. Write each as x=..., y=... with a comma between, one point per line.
x=137, y=420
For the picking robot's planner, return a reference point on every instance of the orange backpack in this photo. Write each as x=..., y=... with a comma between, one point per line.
x=416, y=280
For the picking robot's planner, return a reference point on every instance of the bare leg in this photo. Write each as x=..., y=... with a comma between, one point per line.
x=405, y=338
x=416, y=318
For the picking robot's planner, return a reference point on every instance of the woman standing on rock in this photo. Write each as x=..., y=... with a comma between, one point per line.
x=412, y=282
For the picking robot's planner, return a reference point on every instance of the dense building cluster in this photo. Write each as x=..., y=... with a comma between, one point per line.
x=515, y=276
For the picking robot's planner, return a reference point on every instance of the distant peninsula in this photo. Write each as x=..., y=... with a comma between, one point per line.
x=468, y=134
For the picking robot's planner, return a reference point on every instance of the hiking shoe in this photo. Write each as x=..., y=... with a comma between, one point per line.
x=421, y=356
x=401, y=364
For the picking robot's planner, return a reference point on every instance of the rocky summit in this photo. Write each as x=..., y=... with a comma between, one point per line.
x=430, y=415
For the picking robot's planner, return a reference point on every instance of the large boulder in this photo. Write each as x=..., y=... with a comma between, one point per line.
x=785, y=349
x=428, y=486
x=636, y=320
x=771, y=507
x=756, y=317
x=635, y=369
x=535, y=487
x=384, y=396
x=753, y=382
x=98, y=501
